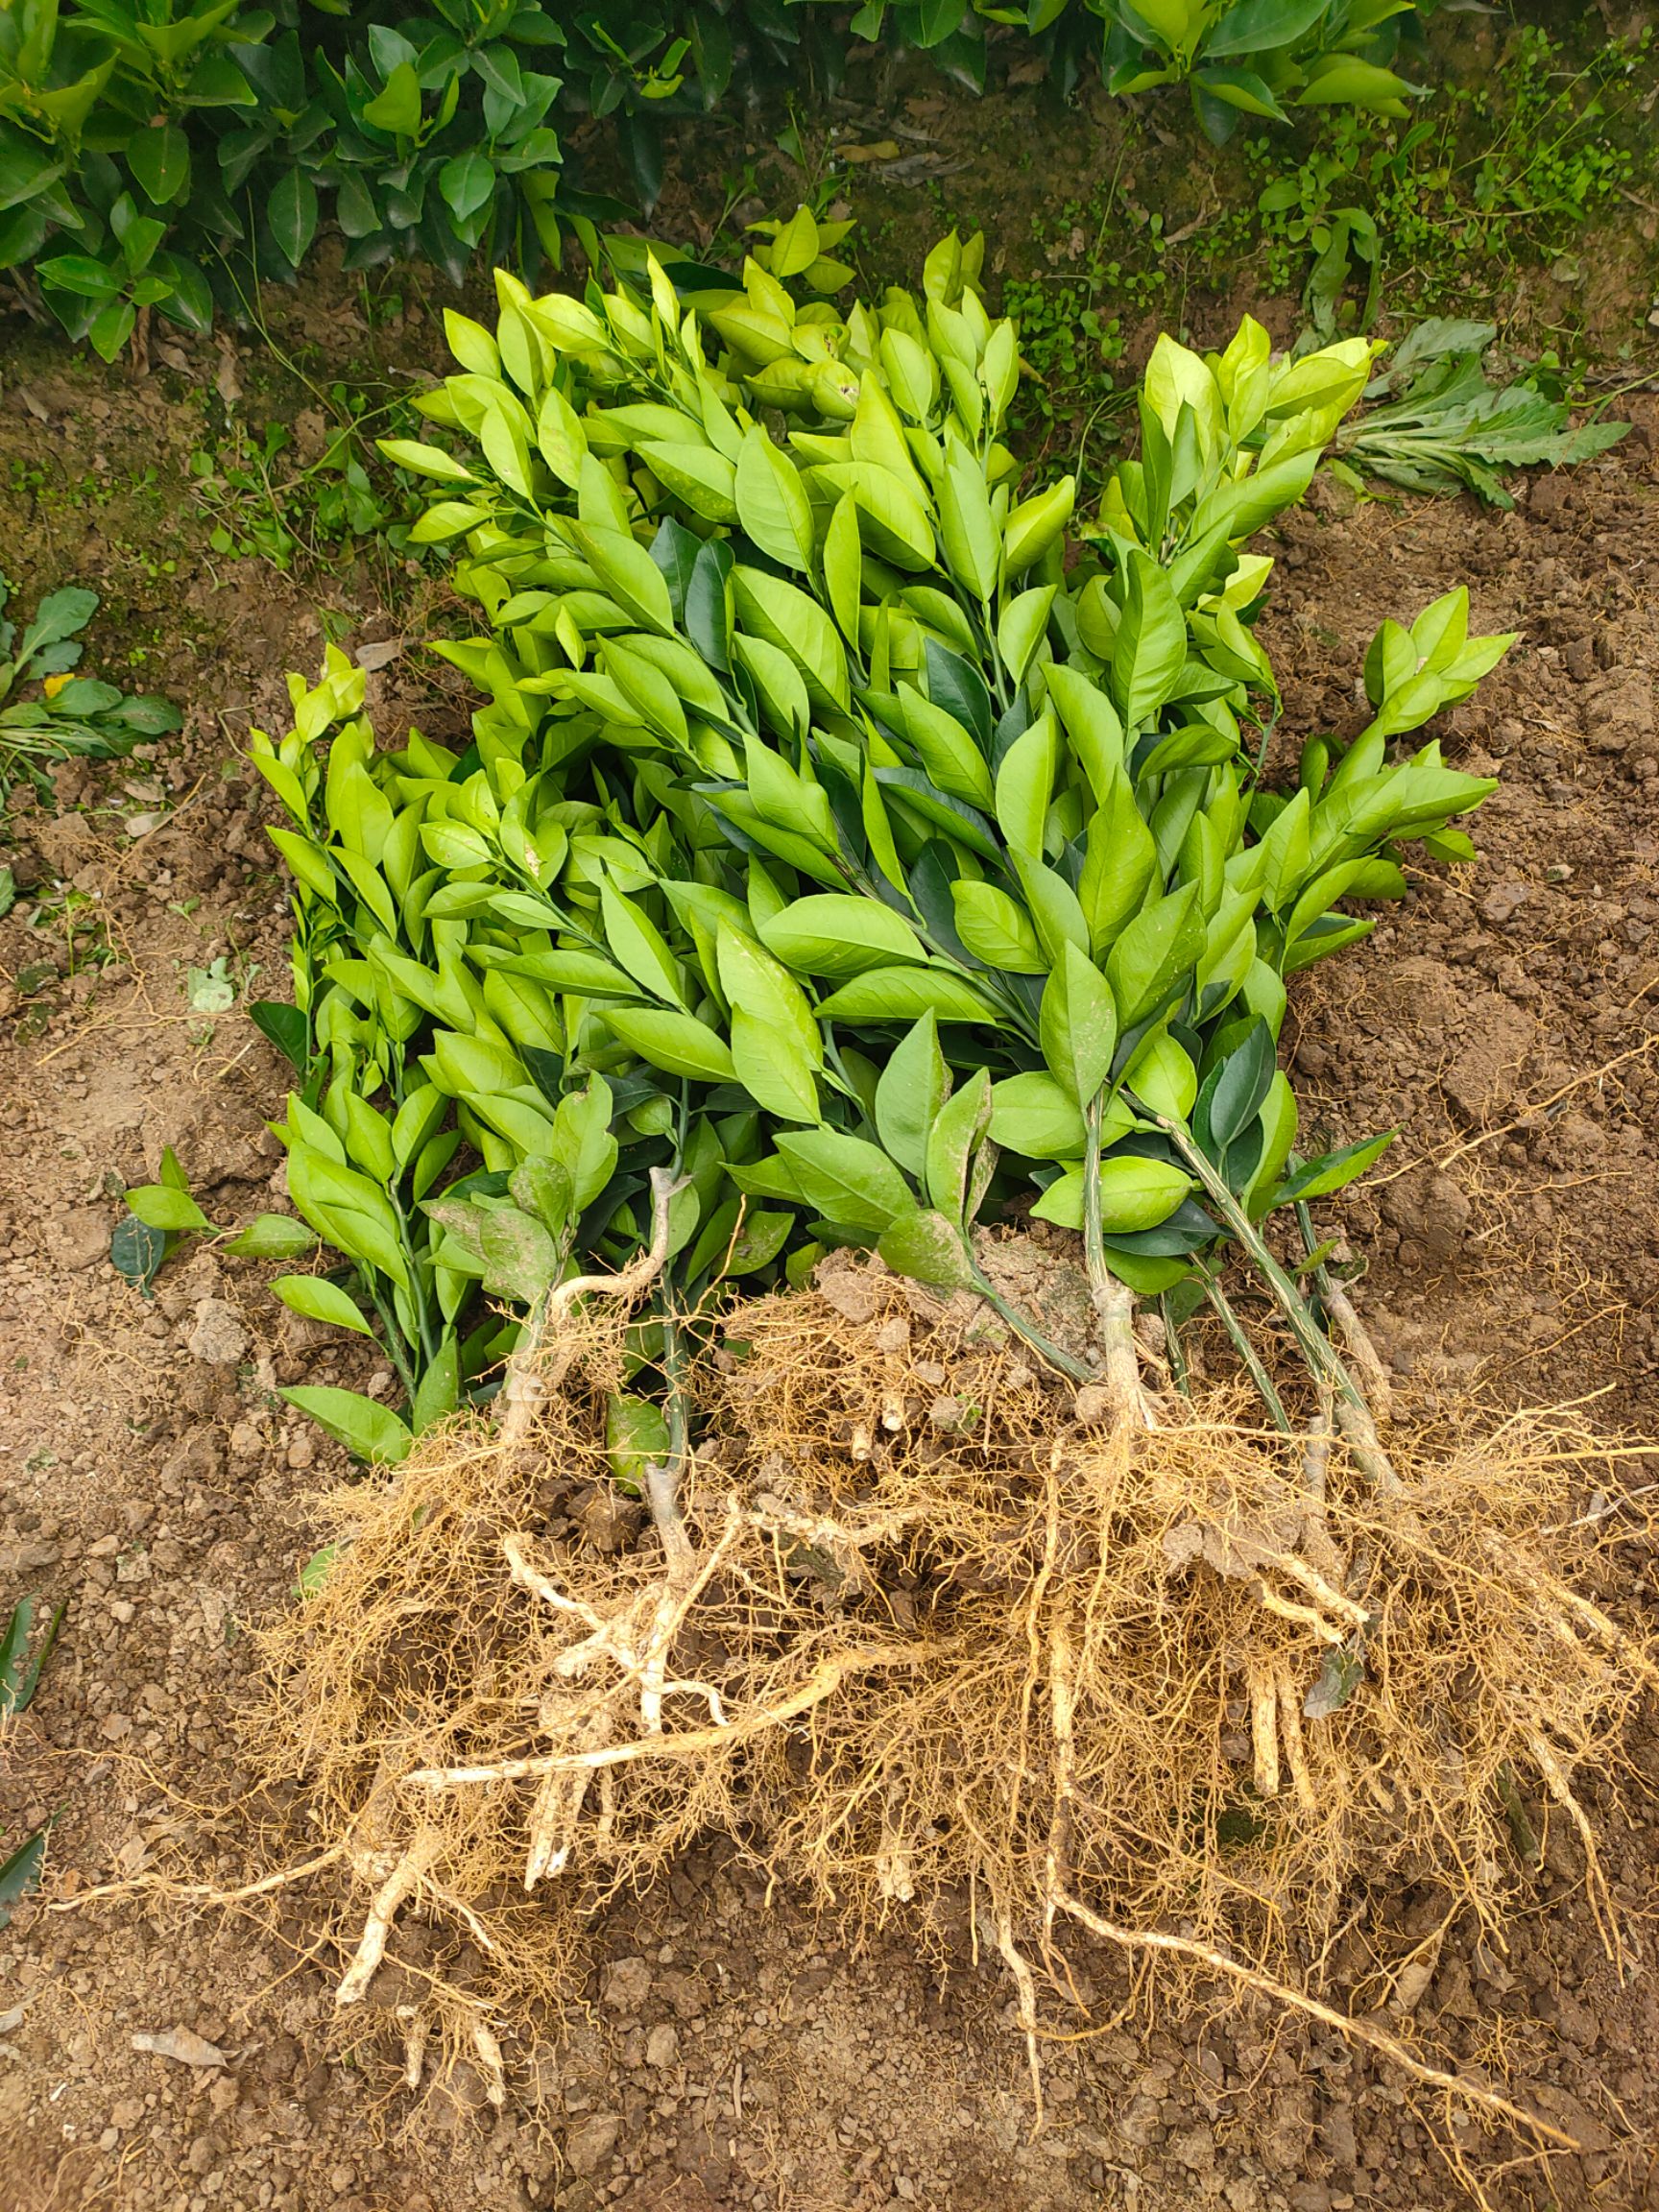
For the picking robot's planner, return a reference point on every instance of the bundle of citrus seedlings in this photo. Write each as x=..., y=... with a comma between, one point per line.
x=812, y=1063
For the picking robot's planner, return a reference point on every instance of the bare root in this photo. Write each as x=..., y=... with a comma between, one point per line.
x=910, y=1637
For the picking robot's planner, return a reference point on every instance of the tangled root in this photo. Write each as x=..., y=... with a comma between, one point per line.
x=918, y=1631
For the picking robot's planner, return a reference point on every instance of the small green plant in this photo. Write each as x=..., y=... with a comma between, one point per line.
x=1258, y=57
x=1501, y=171
x=22, y=1657
x=1440, y=425
x=49, y=714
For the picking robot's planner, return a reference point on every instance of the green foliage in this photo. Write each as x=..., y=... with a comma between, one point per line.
x=1258, y=57
x=144, y=144
x=805, y=758
x=843, y=832
x=22, y=1659
x=152, y=152
x=47, y=713
x=1500, y=172
x=1443, y=427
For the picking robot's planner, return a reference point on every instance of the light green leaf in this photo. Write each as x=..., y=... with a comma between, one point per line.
x=1134, y=1194
x=1035, y=1115
x=903, y=993
x=1162, y=1076
x=638, y=947
x=677, y=1043
x=159, y=1207
x=909, y=1092
x=1154, y=955
x=1151, y=645
x=830, y=933
x=1020, y=629
x=847, y=1180
x=1025, y=785
x=318, y=1300
x=773, y=1069
x=1078, y=1024
x=772, y=502
x=996, y=928
x=366, y=1428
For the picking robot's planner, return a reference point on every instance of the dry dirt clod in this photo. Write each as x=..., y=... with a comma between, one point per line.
x=218, y=1336
x=183, y=2044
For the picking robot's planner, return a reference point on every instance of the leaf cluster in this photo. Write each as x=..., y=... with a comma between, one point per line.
x=833, y=831
x=48, y=713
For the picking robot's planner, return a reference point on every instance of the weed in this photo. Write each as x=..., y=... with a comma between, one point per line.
x=1502, y=172
x=22, y=1657
x=49, y=713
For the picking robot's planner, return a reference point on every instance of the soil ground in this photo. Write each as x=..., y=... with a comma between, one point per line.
x=731, y=2051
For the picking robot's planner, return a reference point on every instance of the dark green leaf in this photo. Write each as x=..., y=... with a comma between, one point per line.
x=286, y=1028
x=136, y=1252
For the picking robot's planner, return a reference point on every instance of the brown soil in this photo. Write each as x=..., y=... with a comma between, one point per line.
x=730, y=2052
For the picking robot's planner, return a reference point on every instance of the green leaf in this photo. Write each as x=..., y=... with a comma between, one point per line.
x=318, y=1300
x=395, y=109
x=843, y=567
x=996, y=928
x=315, y=1571
x=159, y=1207
x=958, y=1132
x=697, y=476
x=291, y=210
x=772, y=502
x=366, y=1428
x=1154, y=953
x=136, y=1252
x=677, y=1043
x=904, y=995
x=1234, y=1091
x=346, y=1210
x=521, y=1259
x=1078, y=1026
x=929, y=1249
x=19, y=1667
x=1334, y=1171
x=967, y=528
x=636, y=1438
x=909, y=1092
x=1025, y=785
x=1020, y=629
x=159, y=158
x=1162, y=1076
x=638, y=945
x=772, y=1067
x=21, y=1872
x=1135, y=1194
x=830, y=933
x=285, y=1026
x=849, y=1181
x=1151, y=645
x=426, y=460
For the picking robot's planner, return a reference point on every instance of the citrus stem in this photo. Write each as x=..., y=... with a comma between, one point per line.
x=1353, y=1414
x=1247, y=1351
